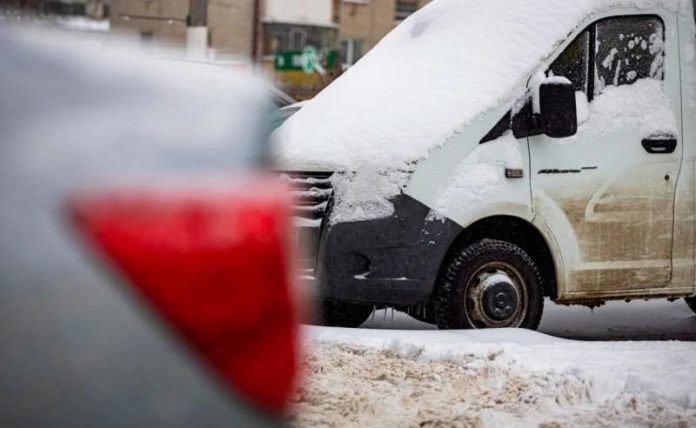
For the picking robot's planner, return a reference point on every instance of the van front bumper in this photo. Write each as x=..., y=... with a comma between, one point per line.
x=388, y=261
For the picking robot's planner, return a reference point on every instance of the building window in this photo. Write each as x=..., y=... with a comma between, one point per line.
x=352, y=50
x=404, y=8
x=298, y=39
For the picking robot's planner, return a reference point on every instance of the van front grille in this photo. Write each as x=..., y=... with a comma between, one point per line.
x=312, y=194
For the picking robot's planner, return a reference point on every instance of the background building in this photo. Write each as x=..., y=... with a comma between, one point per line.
x=46, y=7
x=233, y=28
x=365, y=22
x=273, y=35
x=288, y=27
x=162, y=22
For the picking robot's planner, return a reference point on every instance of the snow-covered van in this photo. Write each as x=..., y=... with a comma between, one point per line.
x=489, y=153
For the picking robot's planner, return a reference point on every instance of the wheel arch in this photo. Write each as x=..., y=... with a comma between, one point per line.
x=517, y=231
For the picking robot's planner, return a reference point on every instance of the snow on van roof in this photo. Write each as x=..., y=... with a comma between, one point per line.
x=432, y=75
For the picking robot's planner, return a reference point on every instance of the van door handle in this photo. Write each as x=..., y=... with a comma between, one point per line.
x=660, y=144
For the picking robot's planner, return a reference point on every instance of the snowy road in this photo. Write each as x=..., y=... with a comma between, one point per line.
x=401, y=373
x=637, y=320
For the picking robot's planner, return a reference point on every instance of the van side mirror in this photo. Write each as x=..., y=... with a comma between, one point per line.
x=558, y=112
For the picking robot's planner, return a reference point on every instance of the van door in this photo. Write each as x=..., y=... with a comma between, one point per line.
x=607, y=193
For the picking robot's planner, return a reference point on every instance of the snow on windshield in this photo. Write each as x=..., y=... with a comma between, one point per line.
x=434, y=74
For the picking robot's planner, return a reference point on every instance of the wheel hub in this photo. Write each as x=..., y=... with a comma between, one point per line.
x=499, y=297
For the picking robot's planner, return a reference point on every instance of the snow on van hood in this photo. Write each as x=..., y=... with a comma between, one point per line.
x=431, y=76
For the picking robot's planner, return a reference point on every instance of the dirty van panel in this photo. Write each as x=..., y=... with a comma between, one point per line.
x=683, y=243
x=683, y=268
x=612, y=199
x=623, y=219
x=599, y=282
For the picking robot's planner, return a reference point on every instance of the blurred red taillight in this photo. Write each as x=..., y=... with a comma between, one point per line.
x=215, y=265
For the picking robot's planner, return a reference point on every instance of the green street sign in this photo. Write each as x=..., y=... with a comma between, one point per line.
x=308, y=60
x=288, y=60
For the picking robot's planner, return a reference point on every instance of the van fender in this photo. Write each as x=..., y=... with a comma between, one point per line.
x=560, y=236
x=521, y=213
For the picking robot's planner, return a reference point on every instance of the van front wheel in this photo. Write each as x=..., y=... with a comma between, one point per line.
x=489, y=284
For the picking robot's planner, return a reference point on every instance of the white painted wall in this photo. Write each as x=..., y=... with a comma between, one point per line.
x=311, y=12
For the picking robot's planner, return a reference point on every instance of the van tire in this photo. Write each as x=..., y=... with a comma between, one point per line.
x=488, y=284
x=691, y=301
x=339, y=314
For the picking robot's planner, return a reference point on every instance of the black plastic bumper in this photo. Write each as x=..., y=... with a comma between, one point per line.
x=389, y=261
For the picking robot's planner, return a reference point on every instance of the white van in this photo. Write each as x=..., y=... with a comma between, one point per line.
x=488, y=153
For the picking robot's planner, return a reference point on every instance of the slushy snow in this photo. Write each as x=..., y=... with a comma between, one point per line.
x=492, y=378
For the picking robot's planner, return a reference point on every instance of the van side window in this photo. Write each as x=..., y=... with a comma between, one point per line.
x=573, y=62
x=609, y=52
x=628, y=49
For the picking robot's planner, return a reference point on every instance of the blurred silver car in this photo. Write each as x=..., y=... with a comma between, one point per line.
x=116, y=169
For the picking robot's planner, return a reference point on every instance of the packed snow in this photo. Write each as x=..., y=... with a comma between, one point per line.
x=397, y=371
x=431, y=77
x=355, y=194
x=617, y=320
x=397, y=377
x=624, y=107
x=480, y=176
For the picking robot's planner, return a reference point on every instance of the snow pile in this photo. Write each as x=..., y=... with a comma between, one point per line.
x=430, y=77
x=626, y=107
x=492, y=378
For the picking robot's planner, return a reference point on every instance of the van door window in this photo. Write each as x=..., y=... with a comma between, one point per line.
x=610, y=52
x=573, y=62
x=628, y=49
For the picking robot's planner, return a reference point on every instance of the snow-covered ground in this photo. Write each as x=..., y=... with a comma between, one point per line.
x=637, y=320
x=399, y=373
